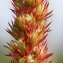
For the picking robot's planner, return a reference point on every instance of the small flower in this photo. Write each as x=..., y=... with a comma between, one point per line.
x=34, y=3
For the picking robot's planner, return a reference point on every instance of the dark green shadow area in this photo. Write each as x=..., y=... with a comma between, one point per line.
x=59, y=59
x=3, y=58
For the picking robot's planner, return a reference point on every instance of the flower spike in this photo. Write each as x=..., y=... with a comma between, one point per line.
x=30, y=30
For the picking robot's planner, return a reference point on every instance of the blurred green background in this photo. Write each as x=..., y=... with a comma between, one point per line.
x=3, y=58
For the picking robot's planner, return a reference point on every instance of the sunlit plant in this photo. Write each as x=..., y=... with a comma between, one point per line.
x=29, y=29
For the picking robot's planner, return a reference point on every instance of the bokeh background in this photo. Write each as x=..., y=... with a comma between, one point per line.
x=55, y=37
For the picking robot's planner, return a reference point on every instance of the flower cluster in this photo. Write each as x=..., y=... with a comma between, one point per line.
x=30, y=31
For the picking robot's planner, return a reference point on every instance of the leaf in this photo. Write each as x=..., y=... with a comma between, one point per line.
x=7, y=47
x=48, y=55
x=48, y=24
